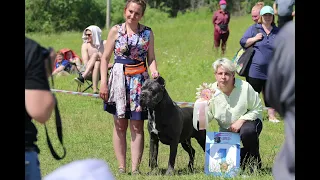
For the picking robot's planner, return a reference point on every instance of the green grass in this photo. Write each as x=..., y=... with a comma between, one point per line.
x=183, y=48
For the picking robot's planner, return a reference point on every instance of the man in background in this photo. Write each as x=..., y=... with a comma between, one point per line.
x=280, y=93
x=284, y=11
x=39, y=101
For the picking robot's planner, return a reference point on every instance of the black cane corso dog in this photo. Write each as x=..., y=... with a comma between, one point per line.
x=168, y=123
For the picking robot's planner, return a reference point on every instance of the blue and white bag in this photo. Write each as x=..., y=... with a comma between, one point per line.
x=222, y=157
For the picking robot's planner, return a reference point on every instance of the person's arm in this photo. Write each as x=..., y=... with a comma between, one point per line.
x=84, y=53
x=59, y=69
x=108, y=49
x=63, y=65
x=214, y=18
x=151, y=55
x=254, y=105
x=275, y=8
x=229, y=17
x=211, y=111
x=247, y=39
x=110, y=65
x=211, y=108
x=39, y=101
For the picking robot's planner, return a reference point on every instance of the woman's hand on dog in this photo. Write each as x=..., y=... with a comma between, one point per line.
x=155, y=74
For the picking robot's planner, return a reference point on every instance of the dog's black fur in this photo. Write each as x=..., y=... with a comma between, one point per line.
x=168, y=123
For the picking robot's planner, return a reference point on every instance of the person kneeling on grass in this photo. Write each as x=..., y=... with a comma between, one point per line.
x=237, y=108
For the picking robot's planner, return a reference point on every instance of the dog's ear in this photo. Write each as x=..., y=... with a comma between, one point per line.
x=160, y=80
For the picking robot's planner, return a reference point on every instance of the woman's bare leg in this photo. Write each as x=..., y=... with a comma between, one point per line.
x=119, y=140
x=95, y=76
x=137, y=142
x=90, y=64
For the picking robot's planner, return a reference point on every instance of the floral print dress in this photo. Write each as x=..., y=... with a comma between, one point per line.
x=134, y=47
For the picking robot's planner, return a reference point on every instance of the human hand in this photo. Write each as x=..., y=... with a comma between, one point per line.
x=104, y=91
x=235, y=127
x=293, y=13
x=155, y=74
x=206, y=94
x=258, y=37
x=275, y=12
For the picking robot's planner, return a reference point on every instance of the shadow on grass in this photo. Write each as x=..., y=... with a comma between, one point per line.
x=177, y=172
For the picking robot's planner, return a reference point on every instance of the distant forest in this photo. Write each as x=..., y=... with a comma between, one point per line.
x=72, y=15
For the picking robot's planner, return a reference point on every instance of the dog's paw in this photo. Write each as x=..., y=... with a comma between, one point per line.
x=170, y=172
x=153, y=172
x=190, y=166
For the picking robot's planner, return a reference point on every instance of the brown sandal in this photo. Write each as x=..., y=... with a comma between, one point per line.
x=136, y=172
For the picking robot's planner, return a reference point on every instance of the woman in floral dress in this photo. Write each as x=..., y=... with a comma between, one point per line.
x=131, y=43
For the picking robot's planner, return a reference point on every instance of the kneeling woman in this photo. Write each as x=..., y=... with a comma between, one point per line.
x=237, y=108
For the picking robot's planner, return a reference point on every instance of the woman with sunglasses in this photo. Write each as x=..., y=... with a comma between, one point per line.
x=91, y=52
x=131, y=43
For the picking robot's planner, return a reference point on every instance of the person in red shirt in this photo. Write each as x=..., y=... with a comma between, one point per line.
x=220, y=21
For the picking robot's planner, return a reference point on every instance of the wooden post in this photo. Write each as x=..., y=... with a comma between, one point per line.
x=108, y=14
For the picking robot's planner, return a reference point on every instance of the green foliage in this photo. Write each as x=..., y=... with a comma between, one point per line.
x=117, y=8
x=54, y=16
x=154, y=16
x=62, y=15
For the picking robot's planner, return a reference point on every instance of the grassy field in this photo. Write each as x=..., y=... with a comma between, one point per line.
x=183, y=48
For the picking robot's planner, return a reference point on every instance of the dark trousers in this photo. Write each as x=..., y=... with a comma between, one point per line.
x=220, y=39
x=249, y=134
x=259, y=85
x=282, y=20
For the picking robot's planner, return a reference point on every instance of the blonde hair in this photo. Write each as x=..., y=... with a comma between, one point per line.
x=60, y=53
x=225, y=63
x=258, y=6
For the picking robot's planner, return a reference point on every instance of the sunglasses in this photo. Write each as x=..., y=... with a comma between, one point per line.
x=88, y=35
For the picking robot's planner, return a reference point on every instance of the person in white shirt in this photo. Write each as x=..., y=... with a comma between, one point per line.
x=237, y=108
